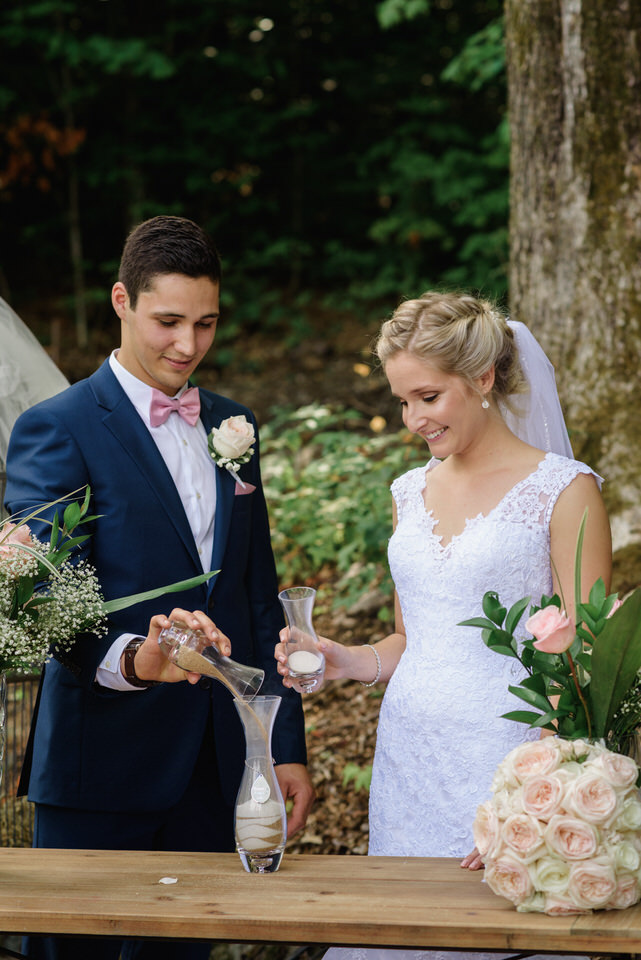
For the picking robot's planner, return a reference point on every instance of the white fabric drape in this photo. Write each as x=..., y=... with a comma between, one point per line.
x=27, y=373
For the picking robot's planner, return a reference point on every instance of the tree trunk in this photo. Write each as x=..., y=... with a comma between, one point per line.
x=574, y=76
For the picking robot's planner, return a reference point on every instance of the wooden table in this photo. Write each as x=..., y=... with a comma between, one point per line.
x=375, y=901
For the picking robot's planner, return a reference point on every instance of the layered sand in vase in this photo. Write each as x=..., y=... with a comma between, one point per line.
x=259, y=826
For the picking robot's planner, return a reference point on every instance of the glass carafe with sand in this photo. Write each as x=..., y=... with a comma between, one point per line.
x=192, y=650
x=305, y=661
x=260, y=819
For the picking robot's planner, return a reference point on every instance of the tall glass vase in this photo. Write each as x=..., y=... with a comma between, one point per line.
x=260, y=817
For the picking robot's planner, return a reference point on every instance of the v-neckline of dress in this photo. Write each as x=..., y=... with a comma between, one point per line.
x=469, y=521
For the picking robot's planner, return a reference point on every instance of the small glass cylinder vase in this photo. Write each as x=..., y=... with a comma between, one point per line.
x=192, y=650
x=260, y=820
x=305, y=662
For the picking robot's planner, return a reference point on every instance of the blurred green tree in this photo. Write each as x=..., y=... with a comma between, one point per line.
x=328, y=149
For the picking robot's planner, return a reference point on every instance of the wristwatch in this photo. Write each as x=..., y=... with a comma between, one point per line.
x=131, y=677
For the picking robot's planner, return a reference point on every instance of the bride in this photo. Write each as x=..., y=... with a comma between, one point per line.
x=497, y=507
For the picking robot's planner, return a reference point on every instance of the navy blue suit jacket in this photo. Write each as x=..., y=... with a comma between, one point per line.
x=99, y=749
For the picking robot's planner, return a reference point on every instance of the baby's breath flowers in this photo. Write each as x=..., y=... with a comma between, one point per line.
x=46, y=598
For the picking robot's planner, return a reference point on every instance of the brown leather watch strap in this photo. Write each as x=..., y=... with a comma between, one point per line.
x=131, y=677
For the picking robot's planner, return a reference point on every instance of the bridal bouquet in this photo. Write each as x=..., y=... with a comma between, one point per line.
x=45, y=599
x=562, y=832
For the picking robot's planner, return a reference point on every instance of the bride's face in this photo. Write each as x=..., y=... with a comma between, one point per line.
x=442, y=408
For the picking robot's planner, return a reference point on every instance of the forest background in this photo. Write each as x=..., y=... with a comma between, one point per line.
x=344, y=154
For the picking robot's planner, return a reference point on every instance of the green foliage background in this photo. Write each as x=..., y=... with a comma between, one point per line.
x=349, y=151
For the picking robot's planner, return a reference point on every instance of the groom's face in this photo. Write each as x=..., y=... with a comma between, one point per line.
x=170, y=331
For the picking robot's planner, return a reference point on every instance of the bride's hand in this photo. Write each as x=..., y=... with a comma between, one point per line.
x=472, y=861
x=335, y=660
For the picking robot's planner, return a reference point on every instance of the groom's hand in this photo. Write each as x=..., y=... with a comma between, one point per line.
x=151, y=663
x=295, y=785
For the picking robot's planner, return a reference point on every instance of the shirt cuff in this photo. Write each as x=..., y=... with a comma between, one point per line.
x=109, y=673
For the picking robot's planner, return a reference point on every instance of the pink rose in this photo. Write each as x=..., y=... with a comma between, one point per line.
x=558, y=907
x=534, y=758
x=542, y=796
x=592, y=798
x=509, y=878
x=592, y=883
x=523, y=835
x=570, y=838
x=10, y=534
x=626, y=893
x=485, y=828
x=615, y=606
x=554, y=631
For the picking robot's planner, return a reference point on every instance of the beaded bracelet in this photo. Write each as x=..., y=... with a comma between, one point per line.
x=379, y=668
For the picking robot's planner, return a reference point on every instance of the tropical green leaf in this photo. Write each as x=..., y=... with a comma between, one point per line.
x=616, y=659
x=111, y=606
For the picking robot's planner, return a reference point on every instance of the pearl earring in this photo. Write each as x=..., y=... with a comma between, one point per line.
x=485, y=404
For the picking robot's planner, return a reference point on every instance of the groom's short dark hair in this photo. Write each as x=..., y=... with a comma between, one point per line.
x=166, y=245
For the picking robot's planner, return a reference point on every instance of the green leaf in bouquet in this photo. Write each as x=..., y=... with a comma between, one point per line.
x=506, y=651
x=585, y=659
x=515, y=613
x=548, y=665
x=478, y=622
x=536, y=682
x=616, y=659
x=596, y=598
x=111, y=606
x=523, y=716
x=530, y=696
x=493, y=608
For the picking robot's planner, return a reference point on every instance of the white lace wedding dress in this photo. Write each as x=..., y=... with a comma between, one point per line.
x=440, y=736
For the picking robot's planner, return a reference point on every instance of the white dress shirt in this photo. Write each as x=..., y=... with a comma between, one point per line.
x=184, y=450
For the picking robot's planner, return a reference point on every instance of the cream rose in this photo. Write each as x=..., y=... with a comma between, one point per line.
x=233, y=438
x=626, y=856
x=620, y=771
x=508, y=877
x=592, y=798
x=554, y=631
x=485, y=828
x=630, y=816
x=523, y=835
x=550, y=874
x=542, y=796
x=570, y=838
x=626, y=894
x=533, y=759
x=592, y=882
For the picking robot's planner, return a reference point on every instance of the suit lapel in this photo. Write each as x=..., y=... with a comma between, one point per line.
x=211, y=416
x=121, y=418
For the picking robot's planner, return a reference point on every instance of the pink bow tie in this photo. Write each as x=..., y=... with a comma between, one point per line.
x=187, y=406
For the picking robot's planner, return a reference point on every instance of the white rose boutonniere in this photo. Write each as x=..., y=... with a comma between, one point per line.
x=232, y=444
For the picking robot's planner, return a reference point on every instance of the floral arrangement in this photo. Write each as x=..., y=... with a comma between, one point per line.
x=232, y=444
x=562, y=832
x=45, y=598
x=582, y=679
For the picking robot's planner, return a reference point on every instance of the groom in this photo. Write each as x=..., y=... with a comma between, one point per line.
x=117, y=759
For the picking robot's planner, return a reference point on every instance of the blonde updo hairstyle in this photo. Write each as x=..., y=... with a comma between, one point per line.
x=460, y=335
